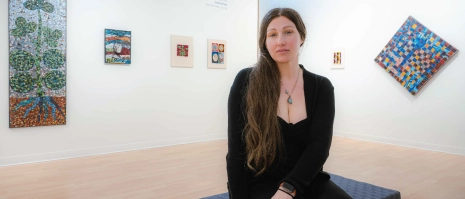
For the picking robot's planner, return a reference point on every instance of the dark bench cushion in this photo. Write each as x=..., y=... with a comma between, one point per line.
x=361, y=190
x=356, y=189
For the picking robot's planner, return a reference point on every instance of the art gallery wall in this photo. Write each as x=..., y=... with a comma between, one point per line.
x=146, y=104
x=370, y=104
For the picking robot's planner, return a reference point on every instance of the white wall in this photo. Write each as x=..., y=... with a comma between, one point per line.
x=370, y=104
x=299, y=5
x=148, y=103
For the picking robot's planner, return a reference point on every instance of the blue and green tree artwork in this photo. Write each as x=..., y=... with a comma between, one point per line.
x=37, y=62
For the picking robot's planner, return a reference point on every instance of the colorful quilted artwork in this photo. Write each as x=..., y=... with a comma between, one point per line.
x=37, y=62
x=182, y=51
x=221, y=58
x=337, y=58
x=214, y=47
x=414, y=55
x=221, y=47
x=215, y=57
x=117, y=46
x=217, y=53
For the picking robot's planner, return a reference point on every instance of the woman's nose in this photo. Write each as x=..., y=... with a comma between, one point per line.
x=281, y=40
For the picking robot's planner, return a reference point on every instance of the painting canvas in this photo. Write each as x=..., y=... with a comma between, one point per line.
x=182, y=51
x=216, y=53
x=117, y=46
x=414, y=55
x=338, y=58
x=37, y=62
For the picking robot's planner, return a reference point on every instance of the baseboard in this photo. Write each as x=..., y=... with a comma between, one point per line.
x=44, y=157
x=405, y=143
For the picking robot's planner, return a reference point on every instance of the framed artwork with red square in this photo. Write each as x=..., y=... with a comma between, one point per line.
x=182, y=51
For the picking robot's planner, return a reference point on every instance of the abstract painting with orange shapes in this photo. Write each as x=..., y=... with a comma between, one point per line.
x=414, y=55
x=117, y=46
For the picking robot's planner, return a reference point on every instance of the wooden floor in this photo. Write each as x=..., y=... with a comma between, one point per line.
x=199, y=170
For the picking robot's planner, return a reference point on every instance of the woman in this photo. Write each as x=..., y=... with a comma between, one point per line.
x=280, y=120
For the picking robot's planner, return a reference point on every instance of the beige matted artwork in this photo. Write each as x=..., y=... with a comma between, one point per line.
x=182, y=51
x=339, y=58
x=217, y=54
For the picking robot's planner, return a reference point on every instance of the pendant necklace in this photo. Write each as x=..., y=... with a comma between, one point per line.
x=289, y=99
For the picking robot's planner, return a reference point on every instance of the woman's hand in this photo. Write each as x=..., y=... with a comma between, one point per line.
x=281, y=195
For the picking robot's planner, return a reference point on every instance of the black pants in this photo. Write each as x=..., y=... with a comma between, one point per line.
x=319, y=189
x=328, y=190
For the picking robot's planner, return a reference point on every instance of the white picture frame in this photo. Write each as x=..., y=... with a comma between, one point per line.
x=185, y=56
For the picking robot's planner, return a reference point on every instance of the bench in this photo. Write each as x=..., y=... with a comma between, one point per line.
x=356, y=189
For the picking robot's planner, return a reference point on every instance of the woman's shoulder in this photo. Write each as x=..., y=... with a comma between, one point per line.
x=241, y=80
x=242, y=76
x=244, y=73
x=318, y=80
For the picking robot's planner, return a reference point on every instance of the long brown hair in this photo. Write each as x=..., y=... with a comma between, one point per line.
x=262, y=134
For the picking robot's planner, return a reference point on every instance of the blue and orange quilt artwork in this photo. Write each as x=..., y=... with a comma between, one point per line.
x=414, y=55
x=117, y=46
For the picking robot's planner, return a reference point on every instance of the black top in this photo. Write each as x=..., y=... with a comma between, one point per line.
x=308, y=155
x=294, y=140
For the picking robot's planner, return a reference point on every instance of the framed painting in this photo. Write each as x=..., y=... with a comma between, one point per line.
x=182, y=51
x=117, y=46
x=37, y=62
x=414, y=55
x=217, y=53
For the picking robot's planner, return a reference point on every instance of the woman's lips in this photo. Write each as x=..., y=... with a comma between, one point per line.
x=282, y=50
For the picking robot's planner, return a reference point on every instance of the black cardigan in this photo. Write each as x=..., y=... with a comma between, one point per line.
x=319, y=100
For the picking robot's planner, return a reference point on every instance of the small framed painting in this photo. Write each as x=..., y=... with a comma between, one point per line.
x=182, y=51
x=117, y=46
x=217, y=54
x=338, y=58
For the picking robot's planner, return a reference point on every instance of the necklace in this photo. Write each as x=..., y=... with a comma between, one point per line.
x=289, y=99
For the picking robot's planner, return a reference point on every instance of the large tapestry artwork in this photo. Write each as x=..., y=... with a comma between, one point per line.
x=414, y=55
x=37, y=62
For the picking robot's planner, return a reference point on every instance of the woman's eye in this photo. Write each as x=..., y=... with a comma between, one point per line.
x=272, y=35
x=288, y=32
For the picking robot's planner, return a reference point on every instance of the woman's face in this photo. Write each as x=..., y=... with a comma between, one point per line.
x=283, y=40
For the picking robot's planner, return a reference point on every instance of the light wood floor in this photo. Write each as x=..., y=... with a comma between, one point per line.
x=199, y=170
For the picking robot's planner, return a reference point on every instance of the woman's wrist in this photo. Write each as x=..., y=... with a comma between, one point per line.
x=286, y=192
x=287, y=188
